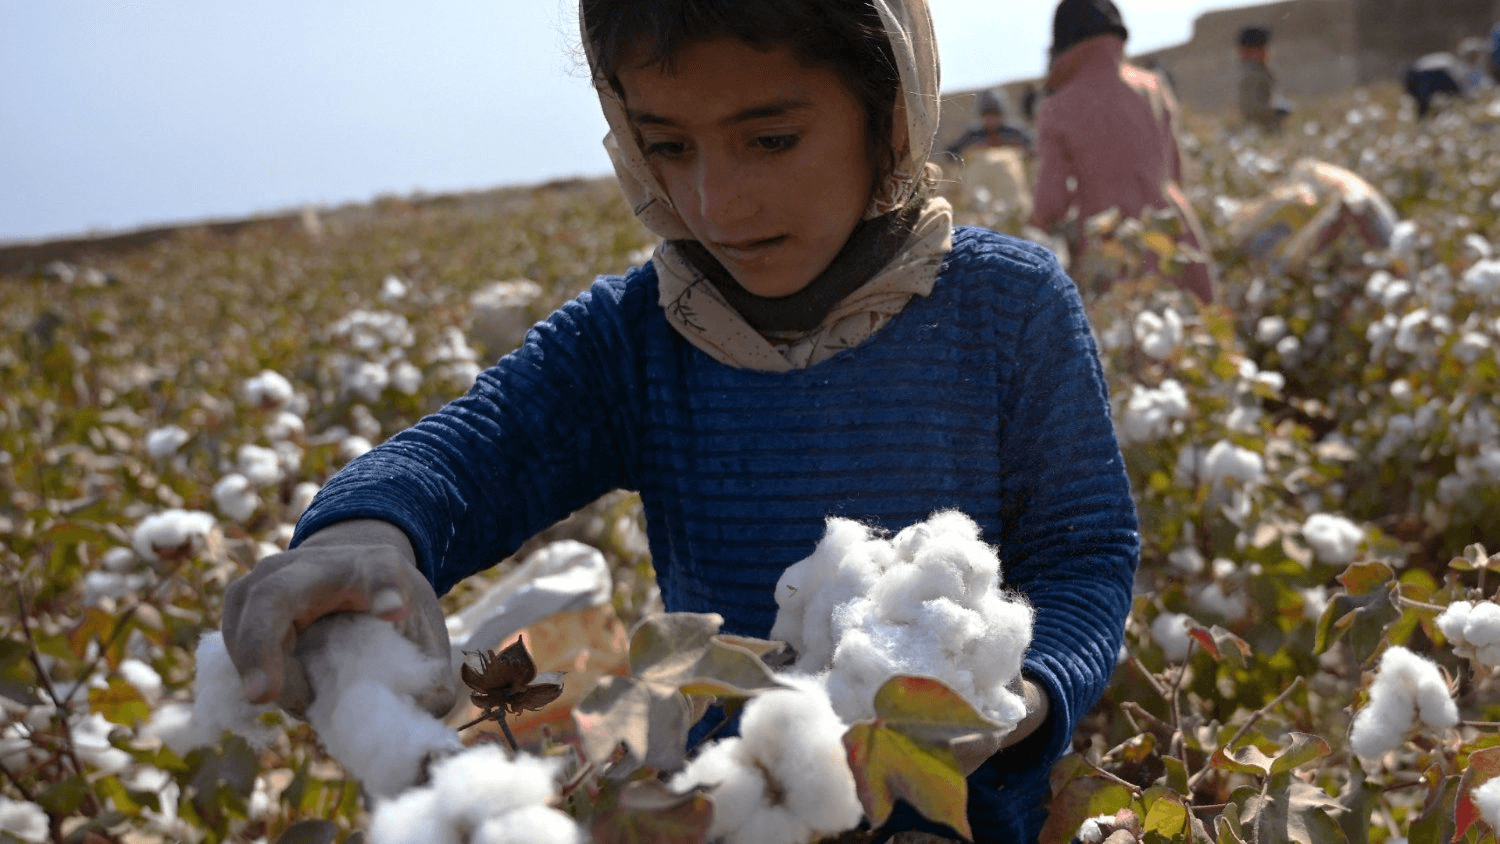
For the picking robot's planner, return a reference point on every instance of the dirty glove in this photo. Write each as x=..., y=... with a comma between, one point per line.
x=363, y=565
x=973, y=749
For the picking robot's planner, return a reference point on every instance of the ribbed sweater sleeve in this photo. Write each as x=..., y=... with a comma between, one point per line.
x=1070, y=541
x=543, y=432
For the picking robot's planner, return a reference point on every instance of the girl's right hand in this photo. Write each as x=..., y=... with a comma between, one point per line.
x=356, y=566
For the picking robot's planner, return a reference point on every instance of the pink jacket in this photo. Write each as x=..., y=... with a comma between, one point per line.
x=1110, y=126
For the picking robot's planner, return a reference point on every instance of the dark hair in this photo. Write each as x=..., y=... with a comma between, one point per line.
x=844, y=36
x=1255, y=36
x=1078, y=20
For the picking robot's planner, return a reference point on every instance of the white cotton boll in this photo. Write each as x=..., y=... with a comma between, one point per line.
x=1487, y=800
x=1481, y=279
x=367, y=380
x=269, y=390
x=118, y=559
x=1482, y=626
x=485, y=782
x=172, y=724
x=1158, y=334
x=1186, y=559
x=1334, y=539
x=406, y=378
x=1216, y=601
x=172, y=533
x=844, y=564
x=260, y=465
x=352, y=447
x=1404, y=237
x=1149, y=413
x=901, y=591
x=1452, y=620
x=529, y=825
x=950, y=540
x=1401, y=391
x=285, y=426
x=302, y=496
x=145, y=679
x=1471, y=346
x=860, y=666
x=164, y=442
x=414, y=817
x=392, y=289
x=1407, y=688
x=91, y=743
x=219, y=703
x=1270, y=329
x=23, y=819
x=1314, y=600
x=1227, y=461
x=1093, y=830
x=364, y=673
x=1243, y=419
x=99, y=586
x=786, y=779
x=235, y=497
x=798, y=739
x=1170, y=631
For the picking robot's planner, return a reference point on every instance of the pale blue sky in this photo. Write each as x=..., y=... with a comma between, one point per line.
x=116, y=115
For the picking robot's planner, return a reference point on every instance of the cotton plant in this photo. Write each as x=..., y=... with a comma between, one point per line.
x=1334, y=539
x=785, y=778
x=1473, y=630
x=1409, y=693
x=926, y=602
x=173, y=534
x=482, y=795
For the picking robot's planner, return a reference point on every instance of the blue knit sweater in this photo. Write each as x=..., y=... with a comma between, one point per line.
x=985, y=397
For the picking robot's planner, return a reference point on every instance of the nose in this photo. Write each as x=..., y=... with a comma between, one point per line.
x=722, y=190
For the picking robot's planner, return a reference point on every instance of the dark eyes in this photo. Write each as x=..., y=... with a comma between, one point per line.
x=776, y=143
x=675, y=149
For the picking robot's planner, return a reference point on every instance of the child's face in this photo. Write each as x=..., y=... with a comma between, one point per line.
x=765, y=159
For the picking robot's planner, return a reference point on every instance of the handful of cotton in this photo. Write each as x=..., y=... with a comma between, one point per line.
x=366, y=678
x=928, y=602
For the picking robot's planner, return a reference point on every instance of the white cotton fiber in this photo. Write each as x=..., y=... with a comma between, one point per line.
x=414, y=817
x=845, y=564
x=219, y=702
x=1473, y=630
x=786, y=778
x=1334, y=539
x=1487, y=800
x=1408, y=689
x=479, y=795
x=1170, y=630
x=366, y=678
x=926, y=602
x=529, y=825
x=172, y=532
x=24, y=820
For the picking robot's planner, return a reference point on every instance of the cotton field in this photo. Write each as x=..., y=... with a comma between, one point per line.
x=1316, y=461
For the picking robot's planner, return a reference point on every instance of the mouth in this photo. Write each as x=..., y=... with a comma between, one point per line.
x=748, y=250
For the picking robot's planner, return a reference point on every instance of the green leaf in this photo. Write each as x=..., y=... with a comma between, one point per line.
x=889, y=765
x=1166, y=813
x=1221, y=644
x=65, y=796
x=120, y=702
x=927, y=709
x=1250, y=759
x=1079, y=793
x=1300, y=812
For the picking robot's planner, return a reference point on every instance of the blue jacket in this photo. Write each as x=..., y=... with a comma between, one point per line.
x=986, y=397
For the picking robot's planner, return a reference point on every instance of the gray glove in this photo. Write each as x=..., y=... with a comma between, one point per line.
x=356, y=566
x=972, y=750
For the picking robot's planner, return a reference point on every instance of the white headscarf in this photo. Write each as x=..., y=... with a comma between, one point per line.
x=695, y=307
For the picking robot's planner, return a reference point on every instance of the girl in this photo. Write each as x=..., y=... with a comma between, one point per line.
x=812, y=338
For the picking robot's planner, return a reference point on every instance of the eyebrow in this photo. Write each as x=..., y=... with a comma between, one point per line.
x=771, y=109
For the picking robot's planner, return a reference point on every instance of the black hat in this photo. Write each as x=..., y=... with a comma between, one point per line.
x=1076, y=20
x=989, y=103
x=1255, y=36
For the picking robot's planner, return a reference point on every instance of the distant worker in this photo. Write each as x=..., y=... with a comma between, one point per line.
x=1107, y=142
x=1494, y=56
x=992, y=129
x=1438, y=75
x=1260, y=103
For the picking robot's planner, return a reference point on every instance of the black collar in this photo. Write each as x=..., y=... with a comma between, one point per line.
x=870, y=247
